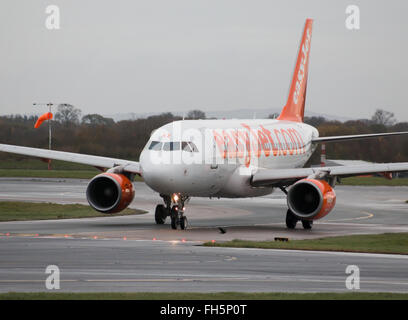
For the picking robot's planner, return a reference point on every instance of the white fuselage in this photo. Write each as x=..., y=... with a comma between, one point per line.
x=216, y=158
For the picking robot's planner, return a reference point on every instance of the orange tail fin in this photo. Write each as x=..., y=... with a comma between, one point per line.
x=295, y=106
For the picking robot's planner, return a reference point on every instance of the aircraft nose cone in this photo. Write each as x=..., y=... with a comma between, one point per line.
x=168, y=178
x=156, y=175
x=162, y=178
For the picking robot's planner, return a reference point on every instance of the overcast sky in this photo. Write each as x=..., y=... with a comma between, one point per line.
x=163, y=55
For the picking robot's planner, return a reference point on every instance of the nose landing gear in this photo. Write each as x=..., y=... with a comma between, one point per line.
x=175, y=211
x=178, y=218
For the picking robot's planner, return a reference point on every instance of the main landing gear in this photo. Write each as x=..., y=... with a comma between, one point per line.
x=291, y=221
x=161, y=214
x=173, y=208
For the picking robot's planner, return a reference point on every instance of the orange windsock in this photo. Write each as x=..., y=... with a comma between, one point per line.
x=41, y=119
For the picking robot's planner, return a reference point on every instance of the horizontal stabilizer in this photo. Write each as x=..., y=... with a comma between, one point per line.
x=356, y=137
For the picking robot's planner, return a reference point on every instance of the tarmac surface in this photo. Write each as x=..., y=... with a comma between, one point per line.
x=132, y=253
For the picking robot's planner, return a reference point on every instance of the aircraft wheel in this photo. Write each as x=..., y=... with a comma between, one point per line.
x=307, y=224
x=291, y=220
x=174, y=217
x=183, y=223
x=160, y=214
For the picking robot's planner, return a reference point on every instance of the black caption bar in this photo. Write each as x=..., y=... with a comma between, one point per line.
x=198, y=309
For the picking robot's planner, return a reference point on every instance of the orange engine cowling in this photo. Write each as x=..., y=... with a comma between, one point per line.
x=110, y=192
x=311, y=199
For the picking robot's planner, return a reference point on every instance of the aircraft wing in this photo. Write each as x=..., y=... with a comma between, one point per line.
x=96, y=161
x=356, y=137
x=279, y=177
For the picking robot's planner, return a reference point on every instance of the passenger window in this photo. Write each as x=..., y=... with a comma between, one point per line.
x=155, y=145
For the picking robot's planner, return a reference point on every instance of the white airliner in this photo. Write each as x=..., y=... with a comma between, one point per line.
x=227, y=158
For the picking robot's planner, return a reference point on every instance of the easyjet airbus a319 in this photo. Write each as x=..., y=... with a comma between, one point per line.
x=227, y=158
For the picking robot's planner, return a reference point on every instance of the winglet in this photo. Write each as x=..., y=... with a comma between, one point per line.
x=295, y=106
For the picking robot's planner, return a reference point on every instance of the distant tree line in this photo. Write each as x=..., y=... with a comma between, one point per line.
x=387, y=149
x=98, y=135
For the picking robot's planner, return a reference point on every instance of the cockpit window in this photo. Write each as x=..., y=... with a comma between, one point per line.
x=173, y=146
x=186, y=147
x=166, y=146
x=193, y=147
x=155, y=145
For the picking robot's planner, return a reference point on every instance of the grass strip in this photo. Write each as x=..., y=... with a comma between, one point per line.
x=63, y=174
x=374, y=181
x=22, y=211
x=67, y=174
x=390, y=243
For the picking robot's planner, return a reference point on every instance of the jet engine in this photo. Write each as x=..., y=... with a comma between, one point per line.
x=311, y=199
x=110, y=192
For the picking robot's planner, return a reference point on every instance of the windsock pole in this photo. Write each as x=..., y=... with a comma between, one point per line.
x=323, y=156
x=49, y=128
x=49, y=133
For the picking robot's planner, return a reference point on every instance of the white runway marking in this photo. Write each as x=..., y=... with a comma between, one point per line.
x=368, y=215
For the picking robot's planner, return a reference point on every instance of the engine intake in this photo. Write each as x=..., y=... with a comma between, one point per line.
x=110, y=192
x=311, y=199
